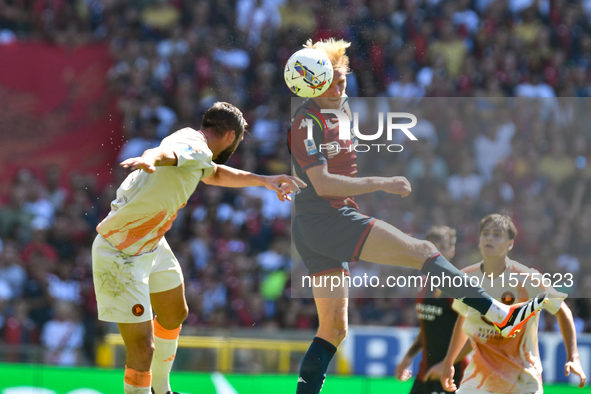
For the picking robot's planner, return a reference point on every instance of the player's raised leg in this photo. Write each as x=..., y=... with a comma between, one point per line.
x=388, y=245
x=139, y=343
x=332, y=330
x=171, y=310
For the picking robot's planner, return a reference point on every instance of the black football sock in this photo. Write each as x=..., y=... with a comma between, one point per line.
x=473, y=296
x=314, y=366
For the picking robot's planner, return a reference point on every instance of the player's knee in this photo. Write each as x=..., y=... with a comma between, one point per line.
x=337, y=332
x=182, y=314
x=174, y=317
x=426, y=249
x=341, y=334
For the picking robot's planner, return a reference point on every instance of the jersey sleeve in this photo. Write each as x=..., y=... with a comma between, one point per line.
x=191, y=150
x=307, y=152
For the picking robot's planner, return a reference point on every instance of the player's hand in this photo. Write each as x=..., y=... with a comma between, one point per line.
x=447, y=378
x=397, y=185
x=434, y=373
x=402, y=372
x=576, y=368
x=331, y=149
x=283, y=185
x=143, y=163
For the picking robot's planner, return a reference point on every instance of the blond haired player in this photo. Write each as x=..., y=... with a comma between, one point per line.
x=134, y=269
x=329, y=231
x=506, y=365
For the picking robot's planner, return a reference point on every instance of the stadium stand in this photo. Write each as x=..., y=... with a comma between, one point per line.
x=173, y=58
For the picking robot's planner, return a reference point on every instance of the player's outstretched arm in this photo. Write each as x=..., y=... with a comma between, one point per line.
x=327, y=184
x=402, y=372
x=233, y=177
x=150, y=159
x=458, y=340
x=569, y=335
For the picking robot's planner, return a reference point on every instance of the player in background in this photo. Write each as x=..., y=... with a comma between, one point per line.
x=437, y=320
x=134, y=269
x=506, y=365
x=328, y=230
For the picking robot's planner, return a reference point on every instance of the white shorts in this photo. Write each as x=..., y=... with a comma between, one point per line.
x=123, y=283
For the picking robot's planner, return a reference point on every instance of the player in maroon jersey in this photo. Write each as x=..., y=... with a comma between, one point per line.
x=437, y=321
x=329, y=231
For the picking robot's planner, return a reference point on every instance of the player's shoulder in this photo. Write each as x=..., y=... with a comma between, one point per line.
x=186, y=135
x=308, y=110
x=191, y=133
x=517, y=267
x=473, y=269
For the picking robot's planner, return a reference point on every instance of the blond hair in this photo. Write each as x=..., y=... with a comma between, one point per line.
x=335, y=50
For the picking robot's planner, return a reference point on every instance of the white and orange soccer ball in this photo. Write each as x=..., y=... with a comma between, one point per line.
x=308, y=73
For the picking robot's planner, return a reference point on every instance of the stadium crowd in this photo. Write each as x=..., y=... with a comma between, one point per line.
x=172, y=59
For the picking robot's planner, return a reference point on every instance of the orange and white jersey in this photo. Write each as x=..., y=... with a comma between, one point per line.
x=147, y=204
x=506, y=365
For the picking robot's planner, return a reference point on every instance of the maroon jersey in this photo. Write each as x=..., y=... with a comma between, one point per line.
x=437, y=320
x=323, y=149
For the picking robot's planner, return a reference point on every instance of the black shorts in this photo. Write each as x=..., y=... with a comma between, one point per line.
x=428, y=387
x=327, y=241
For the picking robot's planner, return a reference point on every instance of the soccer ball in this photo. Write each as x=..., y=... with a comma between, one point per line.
x=308, y=72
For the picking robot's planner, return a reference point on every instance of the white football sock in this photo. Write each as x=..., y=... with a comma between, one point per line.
x=129, y=389
x=497, y=312
x=165, y=343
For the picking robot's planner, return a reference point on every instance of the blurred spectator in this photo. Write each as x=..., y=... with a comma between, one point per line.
x=15, y=222
x=54, y=192
x=154, y=113
x=36, y=290
x=11, y=268
x=426, y=163
x=466, y=184
x=6, y=295
x=147, y=139
x=557, y=166
x=18, y=332
x=63, y=286
x=62, y=337
x=298, y=19
x=276, y=258
x=257, y=18
x=451, y=47
x=492, y=145
x=160, y=16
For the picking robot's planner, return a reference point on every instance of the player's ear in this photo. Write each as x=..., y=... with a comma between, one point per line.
x=452, y=251
x=229, y=136
x=511, y=243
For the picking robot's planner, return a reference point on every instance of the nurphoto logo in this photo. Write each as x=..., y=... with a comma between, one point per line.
x=348, y=132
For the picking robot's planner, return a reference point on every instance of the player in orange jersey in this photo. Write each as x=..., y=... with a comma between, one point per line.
x=499, y=364
x=134, y=269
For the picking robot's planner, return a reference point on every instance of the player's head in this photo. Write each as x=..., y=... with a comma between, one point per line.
x=335, y=50
x=224, y=126
x=444, y=239
x=497, y=235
